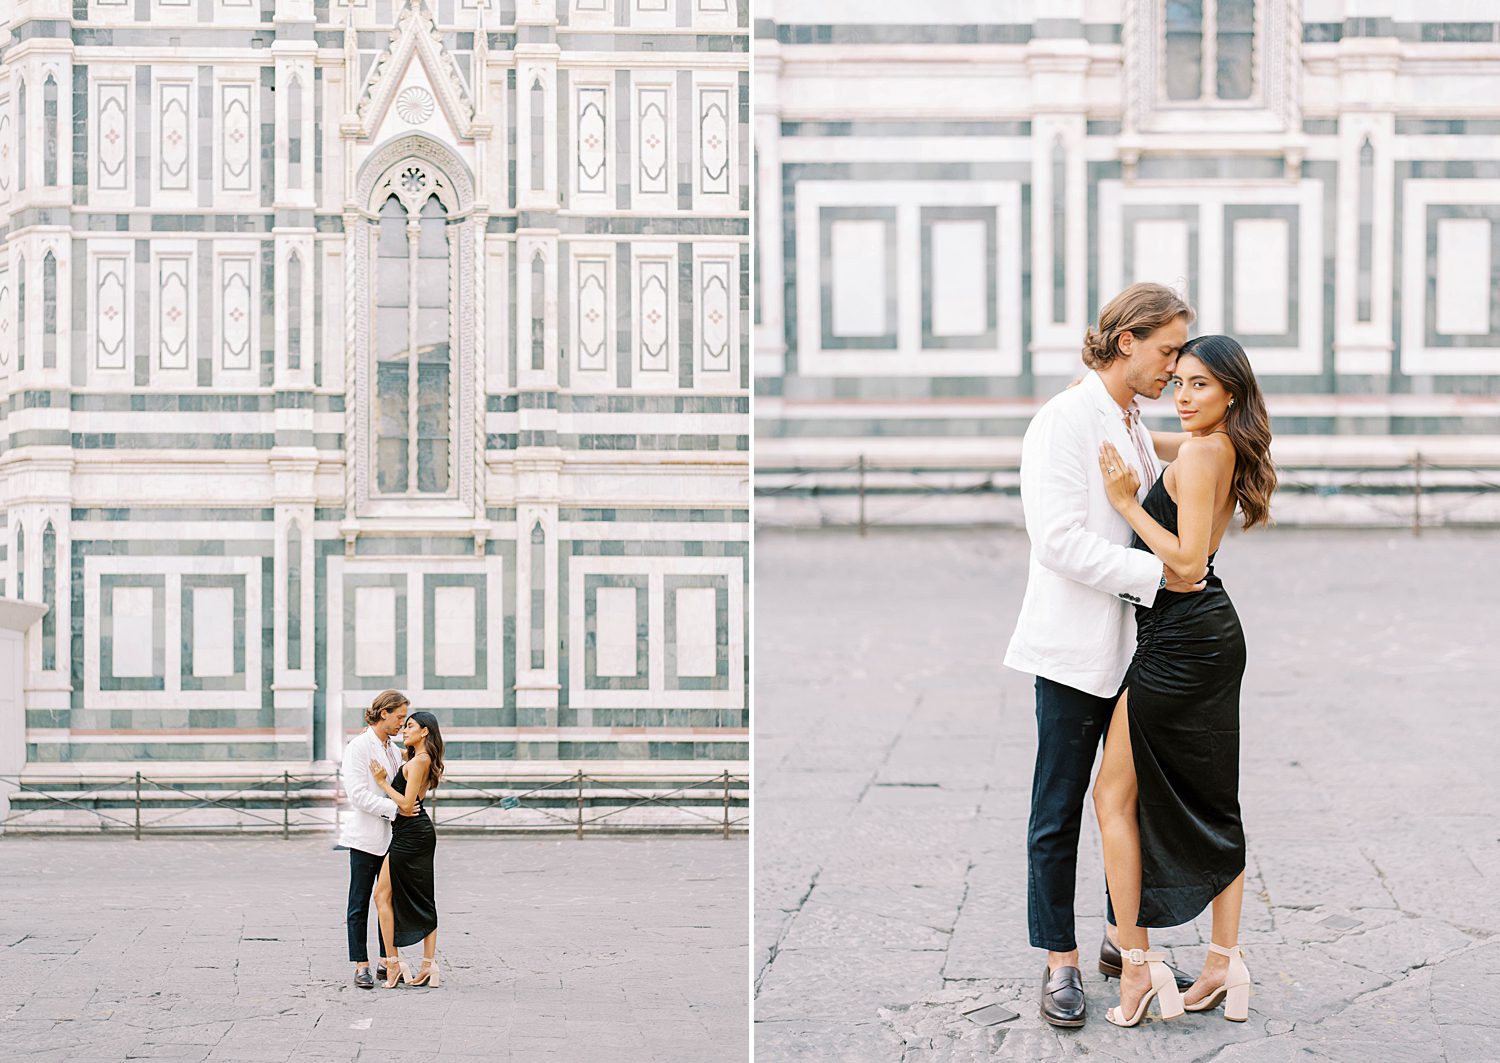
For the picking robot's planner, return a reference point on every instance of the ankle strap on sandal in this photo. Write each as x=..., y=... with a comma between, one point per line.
x=1232, y=950
x=1142, y=956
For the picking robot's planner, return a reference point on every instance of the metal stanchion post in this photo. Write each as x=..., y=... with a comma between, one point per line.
x=726, y=804
x=286, y=805
x=861, y=494
x=580, y=805
x=137, y=806
x=1416, y=495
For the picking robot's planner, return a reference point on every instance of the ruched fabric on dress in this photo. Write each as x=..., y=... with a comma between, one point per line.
x=1183, y=687
x=413, y=842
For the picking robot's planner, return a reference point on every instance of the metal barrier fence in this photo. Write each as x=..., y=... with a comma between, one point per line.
x=305, y=802
x=1415, y=493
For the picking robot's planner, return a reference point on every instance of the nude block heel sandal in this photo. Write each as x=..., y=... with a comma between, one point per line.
x=1235, y=992
x=1163, y=988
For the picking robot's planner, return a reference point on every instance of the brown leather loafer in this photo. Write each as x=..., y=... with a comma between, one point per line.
x=1109, y=965
x=1063, y=1002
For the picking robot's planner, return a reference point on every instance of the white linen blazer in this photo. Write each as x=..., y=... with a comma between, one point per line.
x=367, y=823
x=1077, y=624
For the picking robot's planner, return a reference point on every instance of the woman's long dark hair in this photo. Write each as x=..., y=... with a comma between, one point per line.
x=434, y=741
x=1248, y=424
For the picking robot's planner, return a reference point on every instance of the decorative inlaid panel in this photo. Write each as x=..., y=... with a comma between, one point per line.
x=454, y=630
x=173, y=311
x=174, y=134
x=111, y=289
x=212, y=630
x=236, y=137
x=593, y=140
x=235, y=308
x=1262, y=294
x=713, y=140
x=715, y=310
x=375, y=631
x=6, y=154
x=136, y=647
x=653, y=134
x=960, y=280
x=593, y=313
x=615, y=610
x=695, y=632
x=7, y=314
x=214, y=626
x=112, y=146
x=1462, y=266
x=672, y=627
x=654, y=283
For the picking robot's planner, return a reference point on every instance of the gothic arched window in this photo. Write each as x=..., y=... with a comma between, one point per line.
x=21, y=136
x=49, y=311
x=49, y=598
x=49, y=131
x=294, y=311
x=294, y=135
x=1210, y=46
x=1212, y=66
x=411, y=337
x=294, y=596
x=538, y=135
x=21, y=332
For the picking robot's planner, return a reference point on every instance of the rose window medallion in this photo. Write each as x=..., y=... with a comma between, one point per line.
x=414, y=105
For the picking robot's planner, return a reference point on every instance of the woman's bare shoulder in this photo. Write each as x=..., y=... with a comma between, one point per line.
x=1210, y=452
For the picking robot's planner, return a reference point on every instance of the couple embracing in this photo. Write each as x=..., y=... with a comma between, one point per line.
x=1133, y=639
x=391, y=839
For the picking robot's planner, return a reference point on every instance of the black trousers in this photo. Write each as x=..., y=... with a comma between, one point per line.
x=364, y=869
x=1069, y=727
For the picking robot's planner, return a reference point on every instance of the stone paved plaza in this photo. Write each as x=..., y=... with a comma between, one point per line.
x=232, y=950
x=893, y=771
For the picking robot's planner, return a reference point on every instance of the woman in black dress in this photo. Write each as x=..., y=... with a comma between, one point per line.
x=404, y=893
x=1167, y=793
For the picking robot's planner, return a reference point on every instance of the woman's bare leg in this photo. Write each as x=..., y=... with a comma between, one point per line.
x=1115, y=804
x=385, y=910
x=1225, y=933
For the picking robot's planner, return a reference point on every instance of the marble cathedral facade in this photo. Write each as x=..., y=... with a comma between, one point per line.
x=401, y=343
x=945, y=205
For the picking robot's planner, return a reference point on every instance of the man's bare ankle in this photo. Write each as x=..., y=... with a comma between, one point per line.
x=1062, y=959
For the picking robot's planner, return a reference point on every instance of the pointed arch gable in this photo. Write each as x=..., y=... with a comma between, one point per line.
x=416, y=34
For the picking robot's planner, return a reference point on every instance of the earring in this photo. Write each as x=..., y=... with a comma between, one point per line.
x=1231, y=402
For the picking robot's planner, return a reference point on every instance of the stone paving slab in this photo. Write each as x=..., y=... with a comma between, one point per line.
x=215, y=950
x=893, y=773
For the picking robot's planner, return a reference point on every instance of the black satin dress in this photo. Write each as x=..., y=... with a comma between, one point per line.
x=413, y=842
x=1184, y=710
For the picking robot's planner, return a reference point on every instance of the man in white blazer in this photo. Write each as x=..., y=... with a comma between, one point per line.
x=366, y=827
x=1076, y=630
